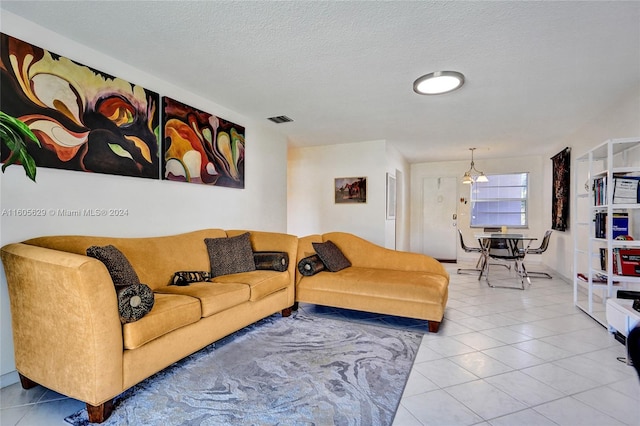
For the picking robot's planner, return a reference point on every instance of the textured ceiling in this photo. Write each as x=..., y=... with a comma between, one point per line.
x=535, y=71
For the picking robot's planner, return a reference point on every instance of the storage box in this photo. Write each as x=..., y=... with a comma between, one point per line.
x=628, y=261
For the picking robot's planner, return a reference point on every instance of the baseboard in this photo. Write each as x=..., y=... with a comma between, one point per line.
x=9, y=379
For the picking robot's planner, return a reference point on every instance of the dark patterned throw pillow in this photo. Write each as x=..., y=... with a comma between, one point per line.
x=135, y=300
x=230, y=255
x=331, y=256
x=117, y=264
x=182, y=278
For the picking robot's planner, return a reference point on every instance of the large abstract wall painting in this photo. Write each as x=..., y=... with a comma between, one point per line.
x=85, y=119
x=560, y=190
x=200, y=147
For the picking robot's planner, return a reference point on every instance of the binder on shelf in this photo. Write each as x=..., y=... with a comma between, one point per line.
x=625, y=190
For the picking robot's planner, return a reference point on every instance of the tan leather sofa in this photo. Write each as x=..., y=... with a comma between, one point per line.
x=380, y=280
x=66, y=328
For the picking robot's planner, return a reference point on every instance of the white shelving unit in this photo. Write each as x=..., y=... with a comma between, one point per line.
x=611, y=159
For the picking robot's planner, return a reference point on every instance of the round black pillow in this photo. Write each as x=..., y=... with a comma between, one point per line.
x=310, y=265
x=134, y=302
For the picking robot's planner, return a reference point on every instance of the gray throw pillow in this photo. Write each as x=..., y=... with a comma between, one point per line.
x=230, y=255
x=331, y=256
x=121, y=271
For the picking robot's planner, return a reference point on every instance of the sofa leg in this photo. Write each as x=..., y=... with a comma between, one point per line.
x=287, y=312
x=100, y=413
x=26, y=382
x=434, y=326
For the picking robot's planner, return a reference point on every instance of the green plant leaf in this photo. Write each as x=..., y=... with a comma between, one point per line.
x=15, y=134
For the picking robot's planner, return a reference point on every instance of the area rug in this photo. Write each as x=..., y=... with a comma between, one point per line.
x=300, y=370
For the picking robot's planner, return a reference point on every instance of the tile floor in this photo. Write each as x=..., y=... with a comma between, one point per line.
x=502, y=357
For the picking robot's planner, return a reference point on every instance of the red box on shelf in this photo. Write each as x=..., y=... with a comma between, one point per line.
x=628, y=261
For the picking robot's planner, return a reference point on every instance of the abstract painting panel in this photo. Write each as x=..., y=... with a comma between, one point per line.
x=200, y=147
x=85, y=119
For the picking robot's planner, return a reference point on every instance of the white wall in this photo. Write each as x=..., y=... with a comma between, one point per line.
x=154, y=207
x=419, y=171
x=311, y=206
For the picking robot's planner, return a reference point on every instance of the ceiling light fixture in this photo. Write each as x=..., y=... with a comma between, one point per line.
x=439, y=82
x=472, y=175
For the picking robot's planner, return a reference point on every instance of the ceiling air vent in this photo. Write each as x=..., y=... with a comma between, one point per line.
x=280, y=119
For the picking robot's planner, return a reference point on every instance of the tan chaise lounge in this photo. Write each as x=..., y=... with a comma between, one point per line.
x=67, y=333
x=380, y=280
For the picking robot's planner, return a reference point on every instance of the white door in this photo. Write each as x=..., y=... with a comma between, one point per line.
x=439, y=225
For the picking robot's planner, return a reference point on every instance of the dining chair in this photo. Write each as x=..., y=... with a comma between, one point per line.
x=508, y=250
x=539, y=250
x=479, y=264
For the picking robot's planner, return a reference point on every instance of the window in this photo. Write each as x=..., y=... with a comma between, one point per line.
x=500, y=202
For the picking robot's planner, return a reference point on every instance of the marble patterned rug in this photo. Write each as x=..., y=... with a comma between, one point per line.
x=300, y=370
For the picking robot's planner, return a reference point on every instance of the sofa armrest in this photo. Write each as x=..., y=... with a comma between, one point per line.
x=363, y=253
x=66, y=330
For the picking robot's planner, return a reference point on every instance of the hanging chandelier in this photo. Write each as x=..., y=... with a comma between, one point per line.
x=472, y=175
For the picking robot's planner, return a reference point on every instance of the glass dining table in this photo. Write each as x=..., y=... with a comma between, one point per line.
x=504, y=247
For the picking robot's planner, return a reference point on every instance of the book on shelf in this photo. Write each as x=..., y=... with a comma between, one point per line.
x=600, y=191
x=619, y=221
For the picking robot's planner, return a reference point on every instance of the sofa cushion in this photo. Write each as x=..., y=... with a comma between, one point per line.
x=213, y=298
x=169, y=312
x=121, y=271
x=260, y=283
x=331, y=256
x=381, y=283
x=230, y=255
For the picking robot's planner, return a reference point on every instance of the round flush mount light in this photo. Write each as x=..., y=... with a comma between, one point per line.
x=439, y=82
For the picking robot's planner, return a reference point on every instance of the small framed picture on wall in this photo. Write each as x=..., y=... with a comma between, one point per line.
x=350, y=190
x=391, y=196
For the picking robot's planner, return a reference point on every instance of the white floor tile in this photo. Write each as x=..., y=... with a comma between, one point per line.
x=478, y=341
x=546, y=351
x=506, y=335
x=439, y=408
x=480, y=364
x=484, y=399
x=444, y=372
x=513, y=357
x=571, y=412
x=525, y=417
x=560, y=378
x=405, y=418
x=617, y=405
x=524, y=388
